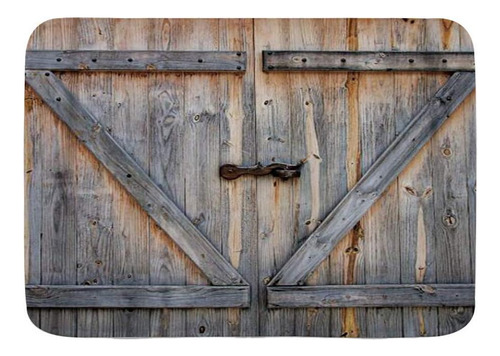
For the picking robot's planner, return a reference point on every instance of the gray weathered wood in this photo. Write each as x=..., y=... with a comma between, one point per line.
x=275, y=198
x=380, y=249
x=383, y=295
x=94, y=188
x=375, y=181
x=33, y=151
x=450, y=175
x=238, y=205
x=201, y=155
x=151, y=198
x=414, y=184
x=137, y=61
x=129, y=126
x=367, y=61
x=168, y=264
x=65, y=296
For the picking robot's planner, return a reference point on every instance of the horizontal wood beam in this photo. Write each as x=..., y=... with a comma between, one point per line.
x=274, y=61
x=137, y=61
x=68, y=296
x=347, y=296
x=133, y=178
x=372, y=185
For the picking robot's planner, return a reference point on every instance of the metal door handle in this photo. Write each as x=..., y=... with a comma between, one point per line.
x=281, y=170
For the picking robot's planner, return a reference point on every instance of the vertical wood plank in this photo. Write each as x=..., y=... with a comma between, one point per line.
x=237, y=146
x=35, y=110
x=450, y=178
x=130, y=127
x=277, y=210
x=416, y=217
x=317, y=125
x=346, y=258
x=202, y=160
x=167, y=134
x=58, y=228
x=34, y=113
x=378, y=129
x=94, y=194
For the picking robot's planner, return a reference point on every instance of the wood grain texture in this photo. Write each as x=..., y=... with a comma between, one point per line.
x=132, y=176
x=57, y=165
x=167, y=129
x=414, y=184
x=367, y=61
x=383, y=295
x=94, y=186
x=202, y=160
x=381, y=251
x=346, y=259
x=137, y=61
x=237, y=139
x=276, y=205
x=130, y=129
x=317, y=128
x=63, y=296
x=376, y=179
x=450, y=177
x=34, y=110
x=420, y=232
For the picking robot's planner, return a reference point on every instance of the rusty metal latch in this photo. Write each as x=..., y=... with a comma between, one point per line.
x=281, y=170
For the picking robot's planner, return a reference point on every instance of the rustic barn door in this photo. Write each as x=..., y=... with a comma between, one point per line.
x=134, y=229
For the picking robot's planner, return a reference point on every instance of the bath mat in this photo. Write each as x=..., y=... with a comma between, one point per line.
x=250, y=177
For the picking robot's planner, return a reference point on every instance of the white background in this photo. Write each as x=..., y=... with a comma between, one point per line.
x=21, y=18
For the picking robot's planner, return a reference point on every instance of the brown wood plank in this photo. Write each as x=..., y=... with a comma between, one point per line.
x=377, y=178
x=346, y=259
x=136, y=296
x=274, y=61
x=151, y=198
x=383, y=295
x=137, y=61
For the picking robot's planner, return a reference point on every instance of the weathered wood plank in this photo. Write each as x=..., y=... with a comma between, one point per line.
x=274, y=61
x=276, y=206
x=151, y=198
x=317, y=130
x=151, y=296
x=130, y=128
x=237, y=138
x=58, y=163
x=381, y=250
x=137, y=61
x=166, y=136
x=93, y=189
x=346, y=259
x=383, y=295
x=33, y=149
x=450, y=173
x=201, y=161
x=414, y=184
x=376, y=179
